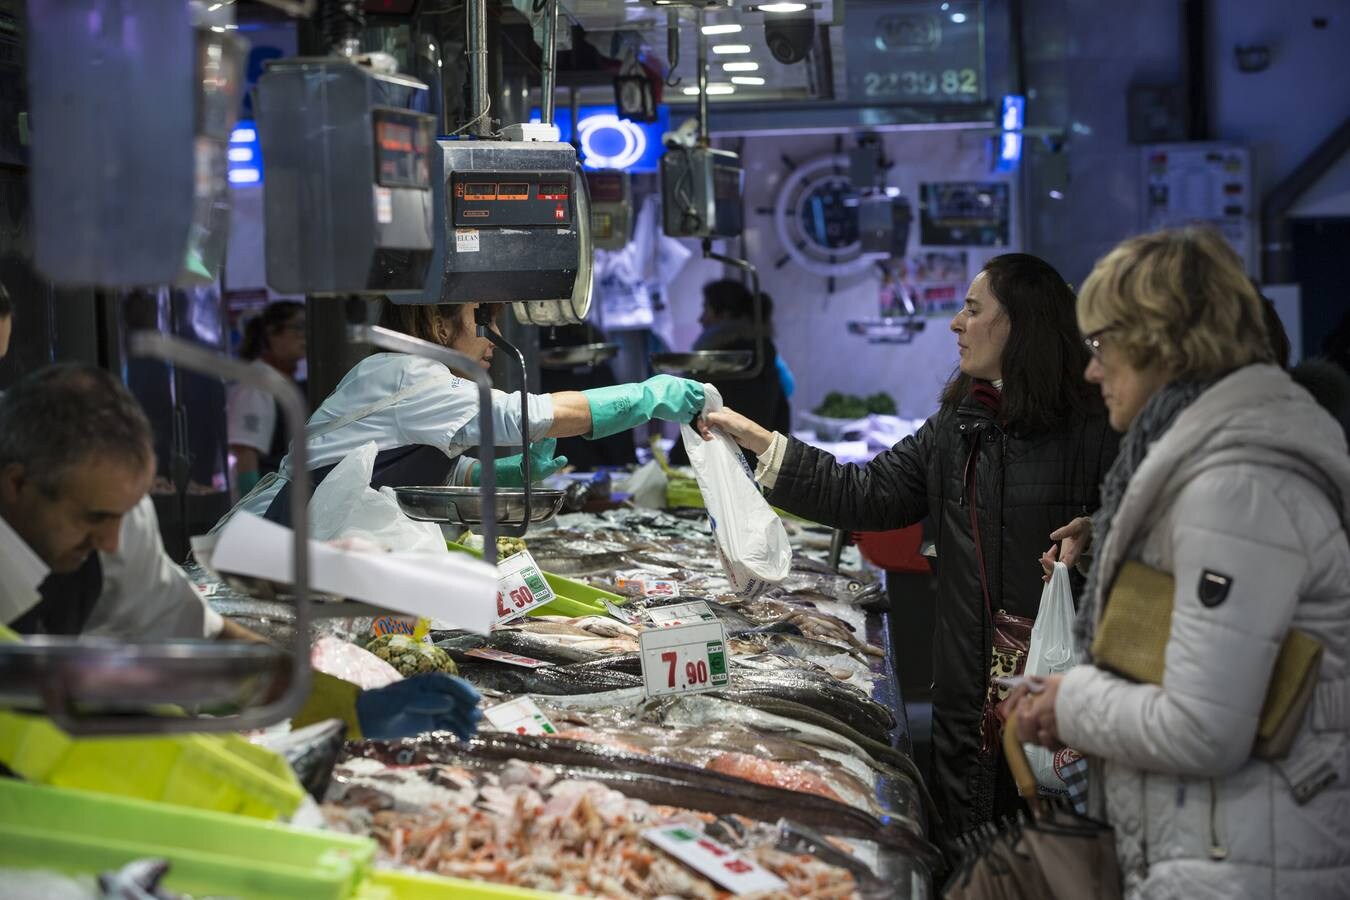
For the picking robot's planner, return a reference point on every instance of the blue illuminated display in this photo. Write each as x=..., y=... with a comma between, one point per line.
x=245, y=154
x=610, y=142
x=1012, y=119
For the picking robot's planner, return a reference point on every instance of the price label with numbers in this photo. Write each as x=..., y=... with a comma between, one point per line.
x=683, y=659
x=714, y=860
x=519, y=716
x=520, y=587
x=681, y=614
x=511, y=659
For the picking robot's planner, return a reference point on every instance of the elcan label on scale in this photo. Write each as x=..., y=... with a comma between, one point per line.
x=520, y=587
x=683, y=659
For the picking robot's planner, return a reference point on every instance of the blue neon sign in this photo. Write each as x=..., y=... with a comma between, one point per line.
x=1012, y=120
x=244, y=155
x=610, y=142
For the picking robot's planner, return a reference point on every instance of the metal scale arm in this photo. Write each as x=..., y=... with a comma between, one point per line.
x=483, y=317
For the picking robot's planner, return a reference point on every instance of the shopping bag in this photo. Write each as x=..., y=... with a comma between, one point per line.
x=344, y=505
x=1052, y=652
x=1053, y=854
x=751, y=540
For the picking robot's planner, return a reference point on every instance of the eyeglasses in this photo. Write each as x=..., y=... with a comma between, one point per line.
x=1093, y=340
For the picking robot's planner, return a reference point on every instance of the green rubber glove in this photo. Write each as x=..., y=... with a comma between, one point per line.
x=248, y=481
x=542, y=464
x=624, y=406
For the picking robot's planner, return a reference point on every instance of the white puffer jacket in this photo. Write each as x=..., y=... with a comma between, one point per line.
x=1250, y=485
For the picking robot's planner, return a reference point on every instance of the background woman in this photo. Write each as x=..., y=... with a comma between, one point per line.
x=275, y=337
x=1235, y=482
x=1015, y=451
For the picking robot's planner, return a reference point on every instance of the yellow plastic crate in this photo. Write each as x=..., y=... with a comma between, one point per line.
x=221, y=772
x=209, y=853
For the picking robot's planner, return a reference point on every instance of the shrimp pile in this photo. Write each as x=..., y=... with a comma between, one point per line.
x=525, y=828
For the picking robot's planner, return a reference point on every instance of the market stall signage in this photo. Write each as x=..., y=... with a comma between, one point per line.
x=684, y=659
x=681, y=614
x=519, y=716
x=714, y=860
x=511, y=659
x=520, y=587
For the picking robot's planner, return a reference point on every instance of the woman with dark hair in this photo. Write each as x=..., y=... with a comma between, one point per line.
x=422, y=416
x=1016, y=450
x=276, y=338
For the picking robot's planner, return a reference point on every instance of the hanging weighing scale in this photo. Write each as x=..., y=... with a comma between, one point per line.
x=702, y=191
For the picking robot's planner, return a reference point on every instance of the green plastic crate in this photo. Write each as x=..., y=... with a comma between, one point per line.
x=574, y=598
x=210, y=853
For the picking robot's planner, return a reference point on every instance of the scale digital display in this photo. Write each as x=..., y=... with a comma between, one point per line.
x=511, y=198
x=402, y=143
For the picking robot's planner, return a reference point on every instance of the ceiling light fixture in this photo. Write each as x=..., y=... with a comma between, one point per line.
x=747, y=79
x=728, y=28
x=782, y=7
x=740, y=66
x=723, y=49
x=712, y=89
x=958, y=17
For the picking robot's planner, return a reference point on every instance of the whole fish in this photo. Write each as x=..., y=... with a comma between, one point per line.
x=544, y=679
x=820, y=692
x=311, y=752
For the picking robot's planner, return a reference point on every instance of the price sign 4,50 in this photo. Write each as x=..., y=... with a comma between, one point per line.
x=520, y=586
x=684, y=659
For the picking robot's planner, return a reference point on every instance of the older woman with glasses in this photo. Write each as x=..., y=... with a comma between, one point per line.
x=1015, y=451
x=1233, y=487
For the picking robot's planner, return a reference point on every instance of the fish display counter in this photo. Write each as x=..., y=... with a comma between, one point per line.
x=791, y=777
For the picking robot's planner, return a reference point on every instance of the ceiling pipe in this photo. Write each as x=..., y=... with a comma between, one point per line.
x=479, y=122
x=549, y=72
x=1277, y=250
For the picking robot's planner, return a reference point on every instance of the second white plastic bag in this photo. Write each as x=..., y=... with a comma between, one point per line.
x=1052, y=652
x=751, y=539
x=344, y=505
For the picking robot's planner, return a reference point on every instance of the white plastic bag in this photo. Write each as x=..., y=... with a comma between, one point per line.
x=344, y=505
x=647, y=486
x=1052, y=652
x=751, y=539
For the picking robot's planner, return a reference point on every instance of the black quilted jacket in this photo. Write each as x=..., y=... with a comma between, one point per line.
x=1027, y=486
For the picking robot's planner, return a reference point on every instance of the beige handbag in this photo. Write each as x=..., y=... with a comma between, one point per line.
x=1131, y=641
x=1055, y=855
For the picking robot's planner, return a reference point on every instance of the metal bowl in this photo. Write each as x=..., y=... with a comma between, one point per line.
x=573, y=357
x=703, y=362
x=88, y=673
x=463, y=505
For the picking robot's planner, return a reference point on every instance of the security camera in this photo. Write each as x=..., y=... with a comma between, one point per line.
x=790, y=37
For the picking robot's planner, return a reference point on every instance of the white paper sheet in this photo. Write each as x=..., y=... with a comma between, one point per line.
x=450, y=587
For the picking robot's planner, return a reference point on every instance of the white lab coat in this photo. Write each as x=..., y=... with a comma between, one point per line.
x=444, y=415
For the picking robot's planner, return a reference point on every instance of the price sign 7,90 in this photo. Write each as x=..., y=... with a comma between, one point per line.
x=684, y=659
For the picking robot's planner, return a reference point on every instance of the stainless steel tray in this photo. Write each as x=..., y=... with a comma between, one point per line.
x=574, y=357
x=463, y=505
x=703, y=362
x=105, y=675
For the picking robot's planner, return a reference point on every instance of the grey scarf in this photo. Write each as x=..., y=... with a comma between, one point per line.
x=1152, y=423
